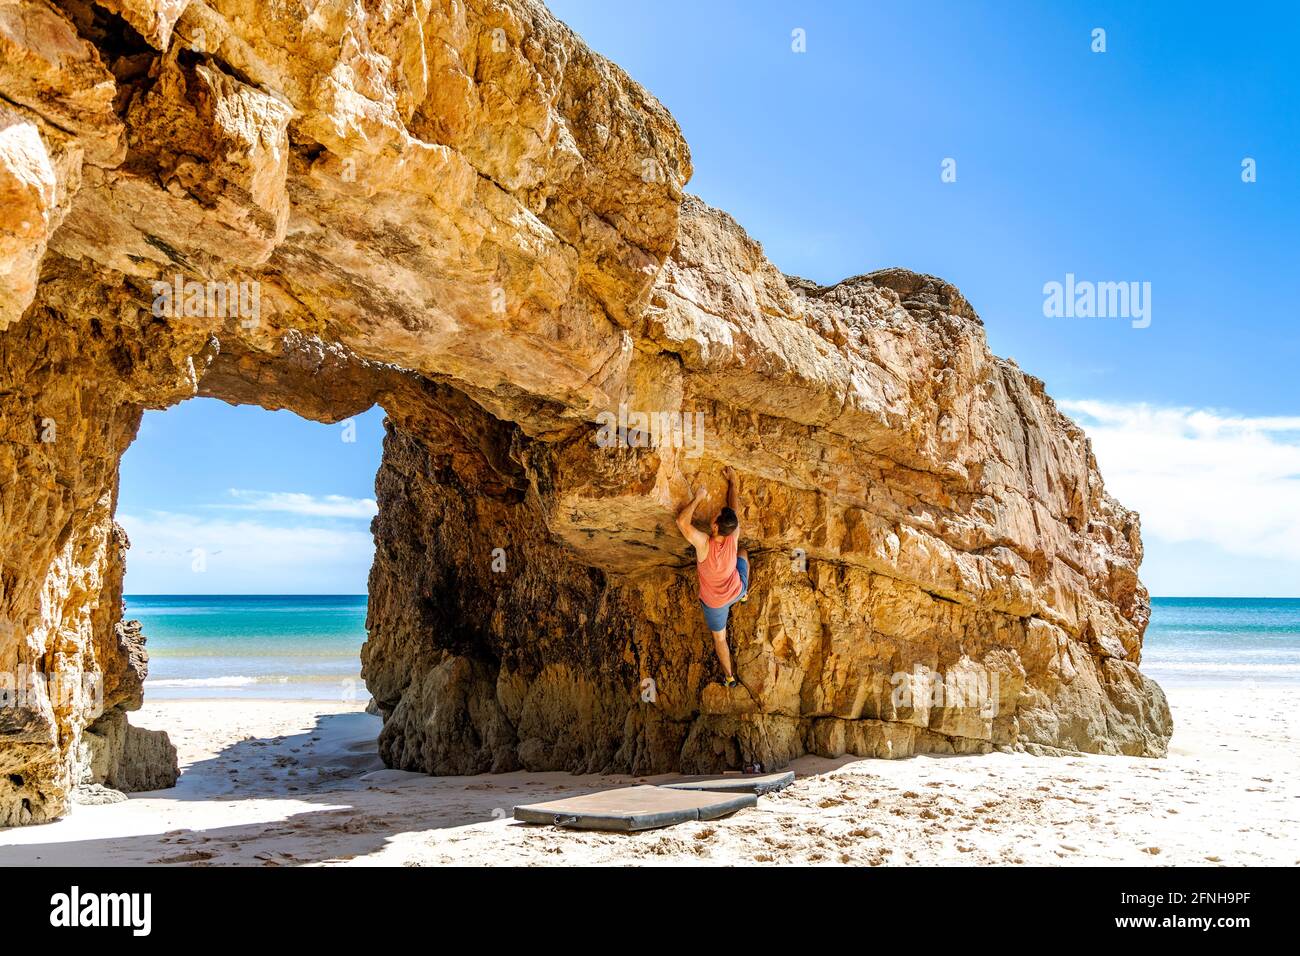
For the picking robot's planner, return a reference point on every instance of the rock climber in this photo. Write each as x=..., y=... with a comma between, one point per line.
x=723, y=568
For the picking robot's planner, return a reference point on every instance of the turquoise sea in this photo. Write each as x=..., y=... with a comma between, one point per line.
x=269, y=646
x=281, y=646
x=1213, y=640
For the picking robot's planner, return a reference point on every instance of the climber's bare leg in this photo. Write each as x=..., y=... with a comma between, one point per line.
x=724, y=655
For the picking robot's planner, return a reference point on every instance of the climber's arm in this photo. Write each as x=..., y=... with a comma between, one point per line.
x=694, y=535
x=733, y=492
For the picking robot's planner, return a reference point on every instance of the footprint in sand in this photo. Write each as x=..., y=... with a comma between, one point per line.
x=192, y=856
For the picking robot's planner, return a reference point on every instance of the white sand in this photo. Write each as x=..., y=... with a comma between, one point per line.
x=287, y=783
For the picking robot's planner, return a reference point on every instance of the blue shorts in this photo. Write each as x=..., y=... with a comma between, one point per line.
x=716, y=617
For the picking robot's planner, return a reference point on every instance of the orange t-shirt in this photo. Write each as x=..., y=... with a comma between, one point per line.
x=719, y=579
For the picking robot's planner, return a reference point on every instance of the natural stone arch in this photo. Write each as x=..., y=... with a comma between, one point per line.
x=471, y=219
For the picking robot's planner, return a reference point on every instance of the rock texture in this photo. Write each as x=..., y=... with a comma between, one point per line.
x=125, y=758
x=460, y=212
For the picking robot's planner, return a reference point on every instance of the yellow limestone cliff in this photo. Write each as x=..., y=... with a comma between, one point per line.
x=458, y=211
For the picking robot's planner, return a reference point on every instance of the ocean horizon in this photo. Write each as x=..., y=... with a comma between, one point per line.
x=307, y=646
x=268, y=646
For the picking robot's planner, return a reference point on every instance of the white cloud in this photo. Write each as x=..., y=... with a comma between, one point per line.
x=242, y=556
x=290, y=502
x=1199, y=475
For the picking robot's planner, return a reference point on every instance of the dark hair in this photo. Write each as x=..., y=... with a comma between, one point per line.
x=727, y=521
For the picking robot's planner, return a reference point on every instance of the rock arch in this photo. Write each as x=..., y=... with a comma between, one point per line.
x=468, y=217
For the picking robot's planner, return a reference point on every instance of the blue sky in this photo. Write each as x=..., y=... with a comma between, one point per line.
x=237, y=500
x=1115, y=166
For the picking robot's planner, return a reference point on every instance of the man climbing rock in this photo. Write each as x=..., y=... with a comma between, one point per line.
x=723, y=568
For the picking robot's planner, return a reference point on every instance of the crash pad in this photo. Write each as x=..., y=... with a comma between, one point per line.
x=758, y=783
x=635, y=808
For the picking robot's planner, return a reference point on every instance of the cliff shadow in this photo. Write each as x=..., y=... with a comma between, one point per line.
x=284, y=800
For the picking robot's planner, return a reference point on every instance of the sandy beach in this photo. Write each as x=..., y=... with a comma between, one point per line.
x=287, y=783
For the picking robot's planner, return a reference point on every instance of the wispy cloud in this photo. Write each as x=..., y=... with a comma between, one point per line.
x=172, y=552
x=1201, y=474
x=297, y=503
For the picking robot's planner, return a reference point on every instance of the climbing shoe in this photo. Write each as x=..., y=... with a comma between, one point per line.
x=730, y=682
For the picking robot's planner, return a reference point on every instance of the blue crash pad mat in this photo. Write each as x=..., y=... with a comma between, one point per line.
x=635, y=808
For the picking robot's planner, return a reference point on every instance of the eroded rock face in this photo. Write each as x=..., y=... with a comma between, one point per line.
x=935, y=565
x=117, y=755
x=460, y=212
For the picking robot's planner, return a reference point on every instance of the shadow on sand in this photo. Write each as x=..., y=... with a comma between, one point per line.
x=312, y=797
